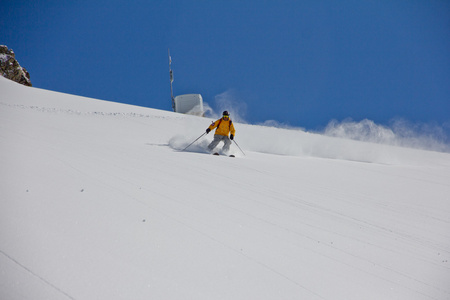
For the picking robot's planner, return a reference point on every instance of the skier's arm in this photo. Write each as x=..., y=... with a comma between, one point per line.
x=232, y=131
x=212, y=126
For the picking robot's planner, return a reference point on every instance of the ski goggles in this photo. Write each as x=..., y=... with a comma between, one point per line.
x=226, y=117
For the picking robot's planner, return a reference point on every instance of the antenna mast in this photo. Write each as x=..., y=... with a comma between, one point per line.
x=171, y=80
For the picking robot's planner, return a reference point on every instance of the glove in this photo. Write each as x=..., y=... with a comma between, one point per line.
x=231, y=137
x=208, y=130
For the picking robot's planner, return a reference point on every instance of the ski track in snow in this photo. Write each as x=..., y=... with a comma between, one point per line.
x=36, y=275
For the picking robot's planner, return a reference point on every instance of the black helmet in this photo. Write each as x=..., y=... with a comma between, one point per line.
x=225, y=113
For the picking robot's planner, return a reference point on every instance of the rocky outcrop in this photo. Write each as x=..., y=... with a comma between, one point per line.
x=10, y=68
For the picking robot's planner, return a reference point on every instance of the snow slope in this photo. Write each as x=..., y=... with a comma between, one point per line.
x=98, y=203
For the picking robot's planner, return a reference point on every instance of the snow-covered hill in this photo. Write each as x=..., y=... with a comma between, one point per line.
x=98, y=203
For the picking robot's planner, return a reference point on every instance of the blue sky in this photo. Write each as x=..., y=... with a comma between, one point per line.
x=302, y=63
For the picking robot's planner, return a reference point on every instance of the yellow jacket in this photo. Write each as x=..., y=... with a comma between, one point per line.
x=223, y=127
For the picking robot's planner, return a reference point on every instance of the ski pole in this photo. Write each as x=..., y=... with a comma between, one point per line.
x=238, y=147
x=193, y=141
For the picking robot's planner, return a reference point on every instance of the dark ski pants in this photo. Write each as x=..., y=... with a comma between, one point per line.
x=219, y=138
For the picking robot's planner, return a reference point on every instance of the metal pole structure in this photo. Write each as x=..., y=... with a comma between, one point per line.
x=171, y=80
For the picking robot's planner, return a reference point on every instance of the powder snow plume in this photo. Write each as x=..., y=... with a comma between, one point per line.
x=399, y=133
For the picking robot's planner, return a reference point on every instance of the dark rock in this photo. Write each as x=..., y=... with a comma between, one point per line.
x=10, y=67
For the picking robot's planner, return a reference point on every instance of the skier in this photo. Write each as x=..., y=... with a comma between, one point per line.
x=224, y=126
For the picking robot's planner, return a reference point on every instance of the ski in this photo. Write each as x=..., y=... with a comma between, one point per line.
x=216, y=153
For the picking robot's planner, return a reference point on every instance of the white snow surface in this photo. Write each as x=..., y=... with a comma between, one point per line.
x=98, y=202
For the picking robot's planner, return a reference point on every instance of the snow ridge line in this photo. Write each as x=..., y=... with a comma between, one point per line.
x=96, y=113
x=37, y=276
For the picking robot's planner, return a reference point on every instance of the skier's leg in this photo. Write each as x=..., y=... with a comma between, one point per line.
x=214, y=142
x=227, y=144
